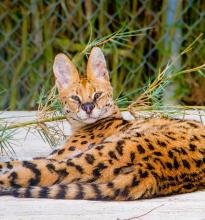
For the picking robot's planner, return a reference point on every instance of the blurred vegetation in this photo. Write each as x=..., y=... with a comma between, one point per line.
x=33, y=31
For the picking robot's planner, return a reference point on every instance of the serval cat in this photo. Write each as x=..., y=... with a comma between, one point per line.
x=108, y=157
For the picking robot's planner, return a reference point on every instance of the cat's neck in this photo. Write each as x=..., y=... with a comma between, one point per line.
x=77, y=125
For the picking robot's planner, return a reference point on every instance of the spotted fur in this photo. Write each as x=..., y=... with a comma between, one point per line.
x=107, y=157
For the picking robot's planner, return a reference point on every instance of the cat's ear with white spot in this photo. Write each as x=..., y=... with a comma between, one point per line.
x=96, y=67
x=65, y=71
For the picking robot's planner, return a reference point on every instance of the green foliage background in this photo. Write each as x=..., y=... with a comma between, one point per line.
x=33, y=31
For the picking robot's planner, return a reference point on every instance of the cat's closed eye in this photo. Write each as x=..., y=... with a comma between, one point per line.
x=76, y=98
x=97, y=95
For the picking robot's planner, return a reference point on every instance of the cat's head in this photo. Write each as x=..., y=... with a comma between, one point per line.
x=85, y=100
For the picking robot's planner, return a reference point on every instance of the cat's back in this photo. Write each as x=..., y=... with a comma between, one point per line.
x=157, y=132
x=174, y=129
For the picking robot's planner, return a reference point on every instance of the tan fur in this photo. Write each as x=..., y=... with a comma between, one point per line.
x=109, y=158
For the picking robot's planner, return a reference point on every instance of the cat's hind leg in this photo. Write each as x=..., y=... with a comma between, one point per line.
x=42, y=172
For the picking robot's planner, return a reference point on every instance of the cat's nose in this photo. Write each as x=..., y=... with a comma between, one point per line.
x=88, y=107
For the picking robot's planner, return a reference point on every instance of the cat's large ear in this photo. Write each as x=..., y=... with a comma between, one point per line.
x=65, y=71
x=96, y=67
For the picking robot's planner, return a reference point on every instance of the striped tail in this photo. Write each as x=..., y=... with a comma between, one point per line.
x=71, y=191
x=123, y=187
